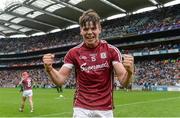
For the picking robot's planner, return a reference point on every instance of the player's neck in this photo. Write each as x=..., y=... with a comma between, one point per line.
x=93, y=45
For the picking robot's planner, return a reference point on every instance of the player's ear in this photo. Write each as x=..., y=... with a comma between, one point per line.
x=81, y=29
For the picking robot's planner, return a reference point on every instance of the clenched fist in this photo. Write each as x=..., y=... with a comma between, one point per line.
x=128, y=62
x=48, y=60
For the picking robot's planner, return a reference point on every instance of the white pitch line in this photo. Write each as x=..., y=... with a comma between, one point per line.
x=150, y=101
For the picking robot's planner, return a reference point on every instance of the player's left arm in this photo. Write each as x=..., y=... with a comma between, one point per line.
x=125, y=70
x=20, y=83
x=128, y=63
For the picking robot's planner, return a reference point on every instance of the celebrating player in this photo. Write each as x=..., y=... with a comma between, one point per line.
x=26, y=82
x=94, y=61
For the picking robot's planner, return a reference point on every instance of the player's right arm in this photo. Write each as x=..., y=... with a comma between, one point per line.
x=58, y=77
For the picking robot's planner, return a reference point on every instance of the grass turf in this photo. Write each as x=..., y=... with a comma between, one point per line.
x=48, y=103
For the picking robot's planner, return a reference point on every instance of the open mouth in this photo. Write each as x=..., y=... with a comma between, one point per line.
x=90, y=37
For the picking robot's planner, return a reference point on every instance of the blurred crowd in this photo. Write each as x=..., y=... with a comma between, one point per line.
x=123, y=51
x=155, y=72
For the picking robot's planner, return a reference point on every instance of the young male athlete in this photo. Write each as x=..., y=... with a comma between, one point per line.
x=26, y=82
x=94, y=61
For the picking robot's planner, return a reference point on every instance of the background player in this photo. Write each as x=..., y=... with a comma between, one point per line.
x=26, y=82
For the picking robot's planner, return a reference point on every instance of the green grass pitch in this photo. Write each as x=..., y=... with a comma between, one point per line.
x=48, y=103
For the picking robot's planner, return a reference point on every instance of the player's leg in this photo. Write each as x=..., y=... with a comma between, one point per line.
x=31, y=103
x=57, y=87
x=30, y=94
x=61, y=90
x=21, y=109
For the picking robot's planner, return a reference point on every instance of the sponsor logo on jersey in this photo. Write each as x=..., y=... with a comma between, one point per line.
x=84, y=66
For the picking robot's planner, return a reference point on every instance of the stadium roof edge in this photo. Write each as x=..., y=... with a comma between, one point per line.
x=32, y=16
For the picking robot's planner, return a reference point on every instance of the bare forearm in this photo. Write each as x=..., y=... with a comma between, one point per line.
x=126, y=79
x=123, y=79
x=128, y=64
x=20, y=83
x=56, y=77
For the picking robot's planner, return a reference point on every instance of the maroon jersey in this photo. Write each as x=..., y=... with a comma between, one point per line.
x=94, y=75
x=27, y=84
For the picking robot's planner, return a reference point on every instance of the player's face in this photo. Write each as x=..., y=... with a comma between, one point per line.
x=90, y=33
x=25, y=75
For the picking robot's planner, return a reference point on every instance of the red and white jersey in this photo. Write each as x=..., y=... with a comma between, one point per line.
x=27, y=84
x=94, y=74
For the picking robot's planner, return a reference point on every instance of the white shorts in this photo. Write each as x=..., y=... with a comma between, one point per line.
x=27, y=93
x=85, y=113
